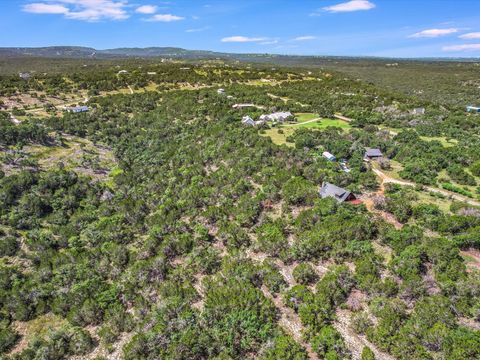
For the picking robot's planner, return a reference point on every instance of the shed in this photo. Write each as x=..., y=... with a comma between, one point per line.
x=373, y=153
x=475, y=109
x=329, y=156
x=339, y=194
x=418, y=111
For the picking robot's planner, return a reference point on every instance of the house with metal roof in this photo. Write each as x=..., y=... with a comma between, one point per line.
x=247, y=120
x=373, y=153
x=339, y=194
x=475, y=109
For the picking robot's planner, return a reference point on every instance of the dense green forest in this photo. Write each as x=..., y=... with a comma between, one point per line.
x=158, y=226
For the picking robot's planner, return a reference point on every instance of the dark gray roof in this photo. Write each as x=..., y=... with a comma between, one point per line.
x=330, y=190
x=373, y=153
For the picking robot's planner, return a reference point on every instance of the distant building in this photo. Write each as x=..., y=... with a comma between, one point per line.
x=151, y=73
x=221, y=91
x=247, y=120
x=122, y=72
x=373, y=154
x=25, y=75
x=277, y=116
x=239, y=106
x=77, y=109
x=328, y=156
x=474, y=109
x=418, y=111
x=339, y=194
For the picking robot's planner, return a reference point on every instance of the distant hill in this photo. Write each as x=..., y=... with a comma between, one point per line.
x=79, y=52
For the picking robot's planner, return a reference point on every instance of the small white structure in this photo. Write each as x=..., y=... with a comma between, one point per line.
x=221, y=91
x=475, y=109
x=122, y=72
x=247, y=120
x=152, y=73
x=260, y=122
x=329, y=156
x=239, y=106
x=24, y=75
x=277, y=116
x=418, y=111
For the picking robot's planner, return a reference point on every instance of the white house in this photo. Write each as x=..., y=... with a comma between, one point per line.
x=277, y=116
x=247, y=120
x=475, y=109
x=122, y=72
x=221, y=91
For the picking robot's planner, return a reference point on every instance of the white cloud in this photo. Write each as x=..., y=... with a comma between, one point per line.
x=197, y=29
x=472, y=35
x=146, y=9
x=269, y=42
x=87, y=10
x=41, y=8
x=243, y=39
x=353, y=5
x=462, y=47
x=165, y=18
x=305, y=38
x=433, y=33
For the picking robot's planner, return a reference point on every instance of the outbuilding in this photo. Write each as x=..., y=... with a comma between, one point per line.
x=339, y=194
x=372, y=154
x=329, y=156
x=474, y=109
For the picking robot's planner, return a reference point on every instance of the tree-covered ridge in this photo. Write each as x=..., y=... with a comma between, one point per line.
x=206, y=233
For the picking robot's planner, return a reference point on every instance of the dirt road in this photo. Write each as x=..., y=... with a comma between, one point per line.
x=387, y=179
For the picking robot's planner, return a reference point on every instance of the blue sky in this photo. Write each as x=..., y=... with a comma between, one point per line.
x=393, y=28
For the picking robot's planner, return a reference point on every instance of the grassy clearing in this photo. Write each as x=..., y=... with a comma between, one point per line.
x=279, y=138
x=433, y=199
x=322, y=124
x=38, y=328
x=302, y=117
x=442, y=139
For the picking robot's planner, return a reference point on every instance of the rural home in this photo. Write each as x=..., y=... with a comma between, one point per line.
x=247, y=120
x=372, y=154
x=277, y=116
x=221, y=91
x=77, y=109
x=329, y=156
x=339, y=194
x=24, y=75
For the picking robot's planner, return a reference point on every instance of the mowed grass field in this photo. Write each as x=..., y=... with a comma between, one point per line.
x=280, y=137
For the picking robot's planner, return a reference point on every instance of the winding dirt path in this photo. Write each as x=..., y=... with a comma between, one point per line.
x=387, y=179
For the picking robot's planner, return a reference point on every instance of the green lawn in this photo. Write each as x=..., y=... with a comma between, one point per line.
x=302, y=117
x=278, y=138
x=324, y=123
x=442, y=139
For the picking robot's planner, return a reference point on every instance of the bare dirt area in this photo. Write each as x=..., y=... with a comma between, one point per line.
x=472, y=258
